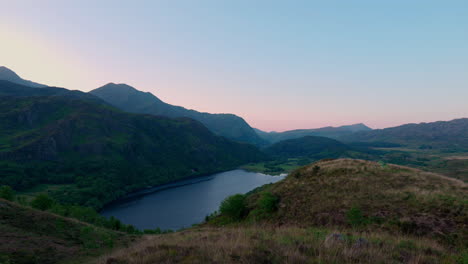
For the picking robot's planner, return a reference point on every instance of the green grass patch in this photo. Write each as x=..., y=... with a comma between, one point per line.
x=276, y=167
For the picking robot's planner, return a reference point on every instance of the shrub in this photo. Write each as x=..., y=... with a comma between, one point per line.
x=42, y=202
x=87, y=237
x=315, y=170
x=463, y=258
x=268, y=203
x=234, y=207
x=114, y=223
x=356, y=218
x=7, y=193
x=407, y=244
x=156, y=231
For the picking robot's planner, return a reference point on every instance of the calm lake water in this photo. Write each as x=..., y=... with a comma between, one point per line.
x=182, y=204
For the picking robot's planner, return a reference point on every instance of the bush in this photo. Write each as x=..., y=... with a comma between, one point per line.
x=315, y=170
x=7, y=193
x=268, y=203
x=356, y=218
x=234, y=207
x=463, y=258
x=42, y=202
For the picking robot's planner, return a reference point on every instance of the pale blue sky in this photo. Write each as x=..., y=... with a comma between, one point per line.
x=279, y=64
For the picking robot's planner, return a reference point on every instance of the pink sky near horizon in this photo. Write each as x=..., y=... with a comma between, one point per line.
x=257, y=119
x=283, y=120
x=276, y=79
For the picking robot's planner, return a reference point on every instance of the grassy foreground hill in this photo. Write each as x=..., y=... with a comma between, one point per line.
x=332, y=211
x=32, y=236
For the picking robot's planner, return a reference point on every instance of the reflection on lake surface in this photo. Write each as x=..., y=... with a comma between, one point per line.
x=182, y=204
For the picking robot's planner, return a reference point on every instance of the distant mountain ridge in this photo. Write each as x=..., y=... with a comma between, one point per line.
x=331, y=132
x=441, y=134
x=9, y=75
x=129, y=99
x=308, y=146
x=8, y=88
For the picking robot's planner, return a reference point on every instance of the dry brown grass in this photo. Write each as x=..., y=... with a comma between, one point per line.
x=403, y=199
x=265, y=244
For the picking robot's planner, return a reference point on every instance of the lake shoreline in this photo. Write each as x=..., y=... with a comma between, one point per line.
x=173, y=184
x=183, y=203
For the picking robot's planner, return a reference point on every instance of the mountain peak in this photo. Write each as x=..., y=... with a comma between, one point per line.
x=358, y=127
x=117, y=87
x=9, y=75
x=6, y=73
x=131, y=100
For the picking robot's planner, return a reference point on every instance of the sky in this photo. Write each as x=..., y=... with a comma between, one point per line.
x=280, y=65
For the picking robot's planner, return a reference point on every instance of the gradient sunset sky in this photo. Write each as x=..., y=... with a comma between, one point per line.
x=279, y=64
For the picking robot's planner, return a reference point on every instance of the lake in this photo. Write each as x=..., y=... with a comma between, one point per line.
x=184, y=203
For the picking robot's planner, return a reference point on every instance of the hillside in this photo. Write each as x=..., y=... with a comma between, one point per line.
x=32, y=236
x=332, y=211
x=9, y=75
x=451, y=135
x=331, y=132
x=309, y=146
x=391, y=197
x=131, y=100
x=99, y=153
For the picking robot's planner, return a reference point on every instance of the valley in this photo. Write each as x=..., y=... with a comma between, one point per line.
x=174, y=185
x=233, y=132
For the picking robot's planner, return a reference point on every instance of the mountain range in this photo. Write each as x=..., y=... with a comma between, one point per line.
x=52, y=135
x=233, y=127
x=331, y=132
x=131, y=100
x=308, y=146
x=451, y=135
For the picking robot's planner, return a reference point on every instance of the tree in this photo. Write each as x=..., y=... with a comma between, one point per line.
x=42, y=202
x=234, y=207
x=7, y=193
x=268, y=203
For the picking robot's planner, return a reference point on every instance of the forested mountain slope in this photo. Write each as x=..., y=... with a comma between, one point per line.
x=131, y=100
x=100, y=152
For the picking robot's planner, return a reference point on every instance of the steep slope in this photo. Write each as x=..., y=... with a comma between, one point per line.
x=309, y=146
x=31, y=236
x=9, y=75
x=101, y=152
x=331, y=132
x=443, y=134
x=131, y=100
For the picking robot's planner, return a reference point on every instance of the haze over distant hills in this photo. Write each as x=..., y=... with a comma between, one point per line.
x=132, y=100
x=9, y=75
x=442, y=134
x=331, y=132
x=308, y=146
